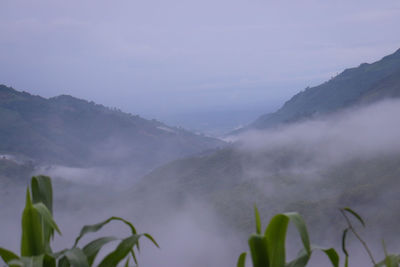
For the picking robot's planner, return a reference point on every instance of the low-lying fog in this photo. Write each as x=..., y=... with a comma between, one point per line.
x=193, y=233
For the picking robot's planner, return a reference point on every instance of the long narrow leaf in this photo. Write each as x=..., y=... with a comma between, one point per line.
x=276, y=238
x=122, y=250
x=301, y=260
x=96, y=227
x=389, y=259
x=76, y=258
x=46, y=216
x=346, y=254
x=258, y=220
x=92, y=249
x=332, y=254
x=7, y=255
x=34, y=261
x=32, y=243
x=298, y=221
x=242, y=260
x=151, y=239
x=259, y=250
x=42, y=191
x=127, y=262
x=355, y=214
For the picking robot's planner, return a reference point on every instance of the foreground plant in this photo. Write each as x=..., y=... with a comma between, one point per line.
x=390, y=260
x=38, y=227
x=269, y=250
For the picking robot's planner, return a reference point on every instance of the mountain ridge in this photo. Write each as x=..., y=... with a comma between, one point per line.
x=346, y=89
x=71, y=131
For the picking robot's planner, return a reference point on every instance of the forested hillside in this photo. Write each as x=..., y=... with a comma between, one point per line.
x=364, y=84
x=68, y=131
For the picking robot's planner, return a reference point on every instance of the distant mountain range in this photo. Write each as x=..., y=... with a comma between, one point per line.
x=69, y=131
x=287, y=174
x=364, y=84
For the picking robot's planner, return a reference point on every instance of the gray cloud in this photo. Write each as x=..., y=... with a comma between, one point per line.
x=159, y=58
x=356, y=133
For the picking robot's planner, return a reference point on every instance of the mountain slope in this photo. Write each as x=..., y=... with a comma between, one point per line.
x=368, y=81
x=348, y=157
x=313, y=167
x=69, y=131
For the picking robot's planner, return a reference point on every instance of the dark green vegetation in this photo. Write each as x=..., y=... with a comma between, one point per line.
x=38, y=229
x=364, y=84
x=69, y=131
x=269, y=249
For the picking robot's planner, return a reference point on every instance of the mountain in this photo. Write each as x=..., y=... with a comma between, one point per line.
x=68, y=131
x=364, y=84
x=348, y=157
x=314, y=167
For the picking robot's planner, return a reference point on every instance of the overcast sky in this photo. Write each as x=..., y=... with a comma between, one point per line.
x=159, y=58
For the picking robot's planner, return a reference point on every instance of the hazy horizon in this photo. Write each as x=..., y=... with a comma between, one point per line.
x=168, y=60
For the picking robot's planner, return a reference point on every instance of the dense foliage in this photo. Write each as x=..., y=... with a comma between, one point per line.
x=269, y=249
x=38, y=227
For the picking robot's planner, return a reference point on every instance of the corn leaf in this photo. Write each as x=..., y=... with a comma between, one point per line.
x=34, y=261
x=276, y=237
x=127, y=262
x=148, y=236
x=75, y=258
x=259, y=250
x=32, y=243
x=346, y=253
x=242, y=260
x=122, y=250
x=7, y=255
x=42, y=191
x=298, y=221
x=355, y=214
x=301, y=260
x=96, y=227
x=46, y=216
x=389, y=259
x=332, y=254
x=92, y=249
x=258, y=220
x=49, y=261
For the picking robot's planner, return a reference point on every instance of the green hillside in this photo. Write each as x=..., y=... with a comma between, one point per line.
x=365, y=83
x=69, y=131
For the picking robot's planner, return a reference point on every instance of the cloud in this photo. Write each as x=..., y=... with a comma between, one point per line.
x=354, y=133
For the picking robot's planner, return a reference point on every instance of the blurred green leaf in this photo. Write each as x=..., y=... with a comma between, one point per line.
x=241, y=260
x=259, y=250
x=96, y=227
x=258, y=220
x=92, y=249
x=76, y=258
x=7, y=255
x=32, y=243
x=275, y=235
x=355, y=214
x=122, y=250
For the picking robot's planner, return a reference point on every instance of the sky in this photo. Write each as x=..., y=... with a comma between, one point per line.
x=180, y=60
